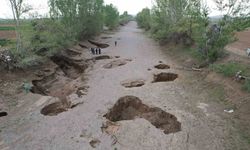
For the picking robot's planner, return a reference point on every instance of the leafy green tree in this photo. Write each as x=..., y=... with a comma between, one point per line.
x=83, y=18
x=111, y=16
x=144, y=19
x=125, y=18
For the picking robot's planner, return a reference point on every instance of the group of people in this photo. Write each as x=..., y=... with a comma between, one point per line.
x=96, y=51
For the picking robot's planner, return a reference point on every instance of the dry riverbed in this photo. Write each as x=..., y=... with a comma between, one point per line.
x=133, y=97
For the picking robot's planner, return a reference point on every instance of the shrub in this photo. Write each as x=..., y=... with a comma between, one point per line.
x=246, y=85
x=229, y=69
x=4, y=42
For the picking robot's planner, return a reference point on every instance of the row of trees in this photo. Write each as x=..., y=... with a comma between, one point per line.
x=68, y=22
x=187, y=21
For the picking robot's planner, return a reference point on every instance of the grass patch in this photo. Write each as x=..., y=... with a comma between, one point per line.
x=230, y=69
x=246, y=85
x=4, y=42
x=218, y=94
x=7, y=42
x=6, y=28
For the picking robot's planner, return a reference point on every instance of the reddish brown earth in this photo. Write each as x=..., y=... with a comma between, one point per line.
x=243, y=42
x=7, y=35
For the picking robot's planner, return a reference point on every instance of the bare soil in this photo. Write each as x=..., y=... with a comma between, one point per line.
x=241, y=44
x=7, y=35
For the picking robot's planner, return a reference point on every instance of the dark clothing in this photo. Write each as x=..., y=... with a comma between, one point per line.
x=99, y=50
x=92, y=51
x=96, y=51
x=115, y=43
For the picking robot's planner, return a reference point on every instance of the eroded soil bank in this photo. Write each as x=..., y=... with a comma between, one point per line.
x=122, y=100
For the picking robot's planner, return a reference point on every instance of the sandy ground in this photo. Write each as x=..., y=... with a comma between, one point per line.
x=190, y=98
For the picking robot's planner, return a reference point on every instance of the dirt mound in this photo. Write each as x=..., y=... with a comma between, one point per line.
x=116, y=63
x=133, y=83
x=102, y=57
x=2, y=114
x=162, y=66
x=165, y=77
x=131, y=107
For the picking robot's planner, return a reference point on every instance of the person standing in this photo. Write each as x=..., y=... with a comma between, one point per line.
x=96, y=51
x=99, y=51
x=115, y=43
x=92, y=50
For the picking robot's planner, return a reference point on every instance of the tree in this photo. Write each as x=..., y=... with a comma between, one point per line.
x=125, y=18
x=18, y=9
x=111, y=16
x=83, y=18
x=144, y=19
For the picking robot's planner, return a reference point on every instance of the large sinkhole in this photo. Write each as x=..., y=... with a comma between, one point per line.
x=3, y=114
x=131, y=107
x=165, y=77
x=70, y=68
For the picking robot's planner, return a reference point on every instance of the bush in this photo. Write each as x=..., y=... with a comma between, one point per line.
x=230, y=69
x=29, y=61
x=246, y=85
x=4, y=42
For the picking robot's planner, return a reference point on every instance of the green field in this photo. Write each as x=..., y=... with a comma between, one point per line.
x=7, y=28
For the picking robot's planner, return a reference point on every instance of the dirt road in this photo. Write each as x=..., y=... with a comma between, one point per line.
x=181, y=114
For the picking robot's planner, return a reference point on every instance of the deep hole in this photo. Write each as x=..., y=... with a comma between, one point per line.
x=2, y=114
x=106, y=37
x=54, y=109
x=165, y=77
x=98, y=44
x=130, y=107
x=38, y=88
x=102, y=57
x=58, y=83
x=70, y=69
x=162, y=66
